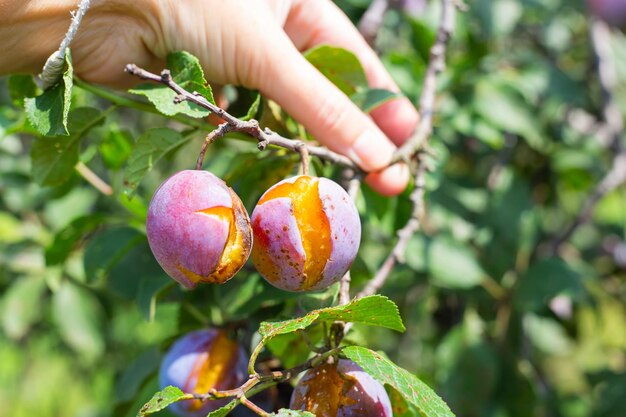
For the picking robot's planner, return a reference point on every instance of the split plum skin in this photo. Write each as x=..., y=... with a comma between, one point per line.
x=340, y=389
x=198, y=229
x=306, y=232
x=201, y=361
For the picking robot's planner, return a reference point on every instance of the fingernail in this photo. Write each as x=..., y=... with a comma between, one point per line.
x=372, y=150
x=390, y=181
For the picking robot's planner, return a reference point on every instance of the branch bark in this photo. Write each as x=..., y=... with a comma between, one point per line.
x=600, y=34
x=427, y=99
x=265, y=137
x=403, y=235
x=412, y=148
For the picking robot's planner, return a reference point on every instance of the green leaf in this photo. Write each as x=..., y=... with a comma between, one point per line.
x=386, y=372
x=504, y=108
x=54, y=158
x=150, y=286
x=254, y=108
x=10, y=228
x=453, y=264
x=68, y=237
x=186, y=72
x=374, y=310
x=547, y=335
x=371, y=98
x=292, y=348
x=78, y=316
x=148, y=150
x=221, y=412
x=49, y=112
x=162, y=399
x=135, y=374
x=543, y=281
x=20, y=87
x=283, y=412
x=21, y=306
x=107, y=248
x=340, y=66
x=116, y=148
x=127, y=274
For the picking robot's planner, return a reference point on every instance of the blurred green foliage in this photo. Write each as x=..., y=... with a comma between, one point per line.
x=496, y=323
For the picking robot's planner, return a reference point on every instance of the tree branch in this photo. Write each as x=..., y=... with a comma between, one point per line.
x=601, y=41
x=256, y=378
x=427, y=99
x=372, y=20
x=403, y=235
x=410, y=150
x=265, y=137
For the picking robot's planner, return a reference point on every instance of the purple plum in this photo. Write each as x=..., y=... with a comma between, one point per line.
x=306, y=233
x=612, y=11
x=200, y=361
x=341, y=389
x=198, y=229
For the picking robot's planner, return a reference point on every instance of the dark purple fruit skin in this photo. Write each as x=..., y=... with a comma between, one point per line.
x=611, y=11
x=340, y=390
x=188, y=354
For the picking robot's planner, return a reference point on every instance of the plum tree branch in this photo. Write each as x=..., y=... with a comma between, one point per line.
x=403, y=235
x=265, y=380
x=372, y=20
x=601, y=40
x=411, y=149
x=265, y=137
x=429, y=87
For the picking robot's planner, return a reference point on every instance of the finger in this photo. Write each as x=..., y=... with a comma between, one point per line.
x=391, y=181
x=312, y=23
x=323, y=109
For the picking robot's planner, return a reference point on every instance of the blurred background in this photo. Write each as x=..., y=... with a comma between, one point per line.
x=513, y=295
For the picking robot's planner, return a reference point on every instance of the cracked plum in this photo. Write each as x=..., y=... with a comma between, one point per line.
x=306, y=233
x=341, y=389
x=198, y=229
x=201, y=361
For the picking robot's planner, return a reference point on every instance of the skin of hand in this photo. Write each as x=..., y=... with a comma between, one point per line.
x=252, y=43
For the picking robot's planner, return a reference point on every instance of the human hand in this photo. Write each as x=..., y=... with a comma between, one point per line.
x=255, y=44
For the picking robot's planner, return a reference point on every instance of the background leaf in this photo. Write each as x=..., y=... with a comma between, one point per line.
x=148, y=150
x=340, y=66
x=78, y=315
x=54, y=158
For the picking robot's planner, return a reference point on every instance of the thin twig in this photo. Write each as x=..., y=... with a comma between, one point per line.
x=613, y=179
x=410, y=150
x=304, y=158
x=221, y=130
x=601, y=41
x=252, y=406
x=427, y=100
x=257, y=378
x=265, y=137
x=372, y=20
x=53, y=68
x=93, y=179
x=403, y=235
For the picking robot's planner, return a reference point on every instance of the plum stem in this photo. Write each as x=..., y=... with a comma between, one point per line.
x=252, y=406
